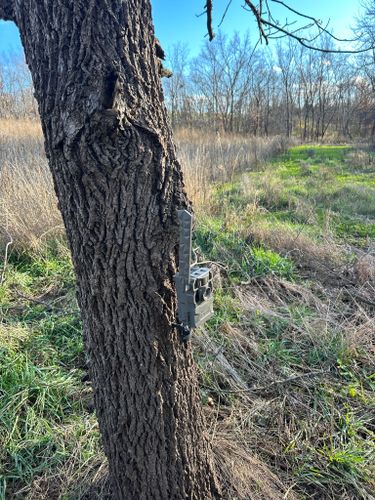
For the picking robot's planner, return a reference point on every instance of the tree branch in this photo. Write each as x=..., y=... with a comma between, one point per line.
x=208, y=9
x=315, y=21
x=6, y=10
x=225, y=13
x=258, y=16
x=266, y=25
x=305, y=43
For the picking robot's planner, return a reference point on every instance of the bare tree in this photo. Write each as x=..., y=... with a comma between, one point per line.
x=285, y=62
x=16, y=91
x=221, y=73
x=206, y=75
x=366, y=30
x=176, y=87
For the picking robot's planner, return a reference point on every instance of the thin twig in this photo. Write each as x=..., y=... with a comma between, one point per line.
x=290, y=380
x=302, y=41
x=37, y=301
x=2, y=279
x=258, y=17
x=225, y=13
x=316, y=22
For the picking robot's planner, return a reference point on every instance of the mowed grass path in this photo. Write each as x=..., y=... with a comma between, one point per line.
x=286, y=363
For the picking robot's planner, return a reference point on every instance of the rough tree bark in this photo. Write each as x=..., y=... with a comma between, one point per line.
x=119, y=184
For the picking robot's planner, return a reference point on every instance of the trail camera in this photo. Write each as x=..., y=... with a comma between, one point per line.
x=193, y=282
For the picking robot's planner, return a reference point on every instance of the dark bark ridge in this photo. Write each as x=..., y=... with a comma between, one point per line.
x=119, y=184
x=6, y=10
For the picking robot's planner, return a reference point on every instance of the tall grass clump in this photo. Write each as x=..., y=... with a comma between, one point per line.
x=208, y=157
x=28, y=207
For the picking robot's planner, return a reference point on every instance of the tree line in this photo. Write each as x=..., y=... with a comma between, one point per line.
x=233, y=87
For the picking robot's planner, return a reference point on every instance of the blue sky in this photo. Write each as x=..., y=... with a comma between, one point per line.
x=175, y=20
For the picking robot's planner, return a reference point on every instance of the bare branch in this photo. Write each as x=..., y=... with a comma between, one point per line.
x=258, y=18
x=305, y=42
x=208, y=10
x=269, y=13
x=225, y=13
x=316, y=21
x=265, y=26
x=300, y=14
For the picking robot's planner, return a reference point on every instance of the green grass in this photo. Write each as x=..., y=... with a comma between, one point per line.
x=322, y=430
x=219, y=240
x=310, y=182
x=44, y=425
x=275, y=323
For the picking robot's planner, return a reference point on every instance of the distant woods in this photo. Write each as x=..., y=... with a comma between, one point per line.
x=288, y=90
x=233, y=87
x=284, y=89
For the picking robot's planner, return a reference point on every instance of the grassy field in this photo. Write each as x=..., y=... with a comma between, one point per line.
x=287, y=362
x=293, y=340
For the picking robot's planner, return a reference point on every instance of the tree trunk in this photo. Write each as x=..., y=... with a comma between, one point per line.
x=119, y=185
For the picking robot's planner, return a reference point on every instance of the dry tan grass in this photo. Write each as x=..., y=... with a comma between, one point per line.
x=364, y=269
x=242, y=474
x=28, y=207
x=89, y=482
x=19, y=129
x=324, y=257
x=360, y=159
x=275, y=415
x=209, y=158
